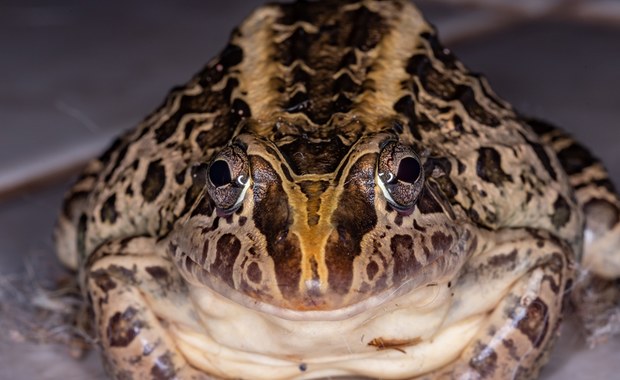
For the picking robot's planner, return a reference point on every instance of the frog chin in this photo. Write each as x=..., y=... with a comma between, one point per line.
x=401, y=336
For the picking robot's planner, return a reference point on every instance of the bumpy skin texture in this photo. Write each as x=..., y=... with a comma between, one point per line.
x=336, y=194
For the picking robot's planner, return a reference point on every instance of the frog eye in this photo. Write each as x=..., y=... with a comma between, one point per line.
x=400, y=175
x=219, y=173
x=228, y=178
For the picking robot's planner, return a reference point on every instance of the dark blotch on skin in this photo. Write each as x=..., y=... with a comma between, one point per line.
x=342, y=104
x=123, y=327
x=444, y=55
x=154, y=181
x=205, y=207
x=562, y=213
x=179, y=178
x=297, y=103
x=371, y=270
x=441, y=242
x=254, y=273
x=239, y=110
x=367, y=29
x=296, y=46
x=344, y=83
x=489, y=167
x=349, y=59
x=425, y=124
x=541, y=153
x=231, y=84
x=405, y=262
x=82, y=227
x=167, y=129
x=219, y=135
x=300, y=74
x=511, y=347
x=163, y=368
x=603, y=183
x=103, y=280
x=458, y=126
x=120, y=374
x=575, y=158
x=120, y=156
x=228, y=249
x=508, y=259
x=199, y=182
x=434, y=82
x=556, y=263
x=398, y=219
x=553, y=285
x=484, y=360
x=188, y=264
x=127, y=276
x=541, y=128
x=406, y=107
x=231, y=56
x=417, y=227
x=108, y=210
x=467, y=97
x=535, y=322
x=427, y=204
x=189, y=128
x=294, y=12
x=157, y=272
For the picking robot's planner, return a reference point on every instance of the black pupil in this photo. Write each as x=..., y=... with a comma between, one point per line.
x=219, y=173
x=408, y=170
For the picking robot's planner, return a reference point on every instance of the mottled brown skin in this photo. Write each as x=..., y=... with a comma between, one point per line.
x=335, y=160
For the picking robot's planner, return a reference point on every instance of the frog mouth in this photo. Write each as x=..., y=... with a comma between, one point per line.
x=439, y=270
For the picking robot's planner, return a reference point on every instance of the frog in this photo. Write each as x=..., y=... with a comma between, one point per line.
x=336, y=194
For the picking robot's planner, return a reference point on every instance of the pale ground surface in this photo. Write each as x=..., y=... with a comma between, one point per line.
x=75, y=73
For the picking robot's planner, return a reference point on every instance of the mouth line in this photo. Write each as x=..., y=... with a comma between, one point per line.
x=203, y=280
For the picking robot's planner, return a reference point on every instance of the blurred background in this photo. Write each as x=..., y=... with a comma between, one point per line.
x=75, y=73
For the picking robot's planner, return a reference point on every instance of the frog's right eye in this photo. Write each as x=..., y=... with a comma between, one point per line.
x=228, y=178
x=219, y=173
x=400, y=175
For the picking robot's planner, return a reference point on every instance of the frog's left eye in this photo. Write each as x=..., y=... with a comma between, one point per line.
x=400, y=175
x=228, y=178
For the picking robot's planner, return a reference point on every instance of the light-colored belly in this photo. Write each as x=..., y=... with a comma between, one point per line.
x=241, y=343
